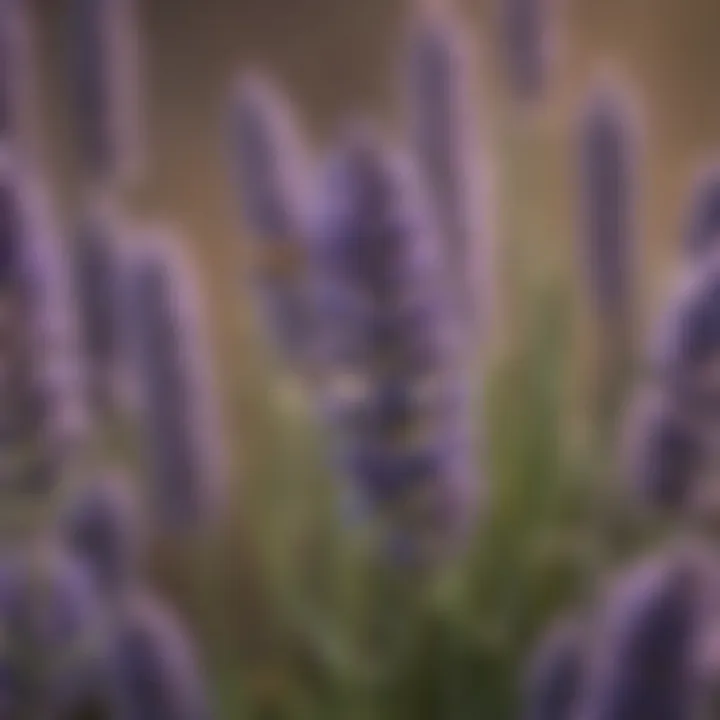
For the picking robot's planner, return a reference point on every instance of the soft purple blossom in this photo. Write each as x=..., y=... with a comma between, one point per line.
x=105, y=74
x=445, y=133
x=395, y=394
x=608, y=181
x=179, y=413
x=271, y=170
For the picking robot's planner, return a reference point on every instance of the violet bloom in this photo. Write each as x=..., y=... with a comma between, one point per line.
x=155, y=674
x=444, y=135
x=105, y=75
x=664, y=452
x=40, y=373
x=703, y=221
x=608, y=150
x=395, y=392
x=102, y=527
x=270, y=166
x=17, y=77
x=99, y=266
x=645, y=665
x=556, y=673
x=50, y=620
x=686, y=347
x=179, y=414
x=526, y=30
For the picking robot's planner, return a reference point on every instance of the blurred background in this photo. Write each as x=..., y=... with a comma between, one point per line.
x=274, y=569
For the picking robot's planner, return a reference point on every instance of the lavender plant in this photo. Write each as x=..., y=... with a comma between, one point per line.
x=272, y=174
x=665, y=450
x=684, y=352
x=608, y=156
x=703, y=220
x=98, y=256
x=395, y=388
x=154, y=669
x=102, y=527
x=526, y=32
x=17, y=82
x=555, y=674
x=645, y=664
x=444, y=134
x=105, y=74
x=43, y=409
x=179, y=417
x=51, y=622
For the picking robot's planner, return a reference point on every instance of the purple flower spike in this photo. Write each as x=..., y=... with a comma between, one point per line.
x=17, y=81
x=645, y=665
x=105, y=74
x=99, y=267
x=154, y=670
x=444, y=133
x=703, y=222
x=394, y=393
x=686, y=348
x=180, y=417
x=609, y=146
x=50, y=618
x=271, y=171
x=527, y=29
x=665, y=452
x=556, y=673
x=102, y=527
x=40, y=373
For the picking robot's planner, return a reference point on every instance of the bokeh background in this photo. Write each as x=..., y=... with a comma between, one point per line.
x=336, y=58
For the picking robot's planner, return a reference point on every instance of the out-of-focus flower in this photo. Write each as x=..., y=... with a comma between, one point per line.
x=664, y=452
x=155, y=673
x=17, y=82
x=527, y=32
x=99, y=267
x=49, y=624
x=703, y=221
x=271, y=169
x=608, y=152
x=445, y=136
x=179, y=414
x=556, y=672
x=395, y=391
x=645, y=665
x=40, y=372
x=686, y=348
x=105, y=74
x=102, y=527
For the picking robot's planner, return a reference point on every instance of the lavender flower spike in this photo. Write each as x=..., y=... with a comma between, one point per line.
x=40, y=374
x=664, y=451
x=102, y=527
x=17, y=82
x=556, y=673
x=99, y=267
x=105, y=73
x=703, y=221
x=527, y=27
x=686, y=347
x=395, y=391
x=154, y=669
x=50, y=622
x=180, y=417
x=608, y=150
x=271, y=172
x=443, y=130
x=645, y=666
